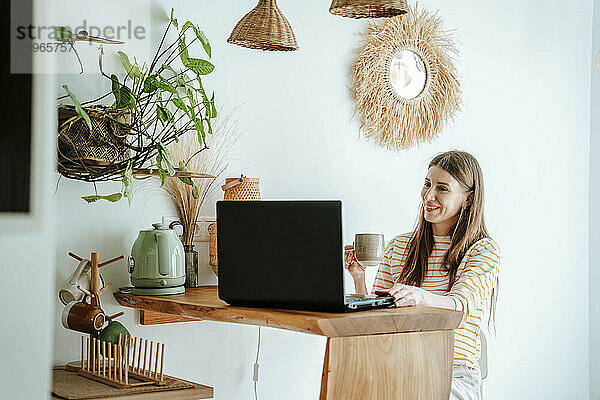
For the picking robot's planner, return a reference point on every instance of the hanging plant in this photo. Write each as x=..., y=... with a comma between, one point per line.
x=153, y=106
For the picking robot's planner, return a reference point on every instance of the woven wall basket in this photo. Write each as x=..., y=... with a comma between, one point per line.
x=241, y=188
x=80, y=149
x=264, y=28
x=368, y=8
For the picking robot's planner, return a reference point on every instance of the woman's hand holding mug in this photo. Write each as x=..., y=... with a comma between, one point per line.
x=352, y=265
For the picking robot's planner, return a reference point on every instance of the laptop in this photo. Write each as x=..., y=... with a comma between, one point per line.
x=285, y=254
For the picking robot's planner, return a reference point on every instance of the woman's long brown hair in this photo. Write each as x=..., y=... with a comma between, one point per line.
x=469, y=228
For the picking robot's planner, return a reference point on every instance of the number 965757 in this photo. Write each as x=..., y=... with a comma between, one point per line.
x=51, y=47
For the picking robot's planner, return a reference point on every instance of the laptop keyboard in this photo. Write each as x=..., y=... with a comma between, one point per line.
x=357, y=301
x=350, y=297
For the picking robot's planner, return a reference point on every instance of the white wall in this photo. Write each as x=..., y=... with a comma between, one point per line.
x=594, y=272
x=27, y=260
x=524, y=70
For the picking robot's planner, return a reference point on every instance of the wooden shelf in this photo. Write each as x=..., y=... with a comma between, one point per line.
x=68, y=384
x=158, y=318
x=204, y=303
x=182, y=174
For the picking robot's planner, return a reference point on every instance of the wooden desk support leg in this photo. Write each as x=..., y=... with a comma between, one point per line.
x=400, y=366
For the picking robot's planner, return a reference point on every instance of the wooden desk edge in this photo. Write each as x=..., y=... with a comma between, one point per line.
x=324, y=324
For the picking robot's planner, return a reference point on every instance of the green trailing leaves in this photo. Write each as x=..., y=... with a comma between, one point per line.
x=78, y=107
x=180, y=78
x=127, y=180
x=132, y=70
x=173, y=19
x=199, y=34
x=177, y=102
x=113, y=198
x=204, y=40
x=155, y=81
x=64, y=34
x=169, y=162
x=191, y=98
x=165, y=85
x=199, y=67
x=150, y=84
x=164, y=115
x=207, y=109
x=161, y=172
x=200, y=129
x=186, y=179
x=213, y=109
x=210, y=130
x=123, y=96
x=165, y=156
x=184, y=54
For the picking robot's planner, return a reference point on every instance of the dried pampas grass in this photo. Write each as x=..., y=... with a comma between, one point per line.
x=394, y=122
x=210, y=160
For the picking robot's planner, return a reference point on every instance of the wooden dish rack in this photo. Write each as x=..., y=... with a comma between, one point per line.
x=117, y=364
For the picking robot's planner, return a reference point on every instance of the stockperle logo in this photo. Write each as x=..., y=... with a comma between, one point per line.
x=128, y=31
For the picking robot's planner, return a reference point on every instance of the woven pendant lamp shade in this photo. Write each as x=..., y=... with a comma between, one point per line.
x=368, y=8
x=264, y=28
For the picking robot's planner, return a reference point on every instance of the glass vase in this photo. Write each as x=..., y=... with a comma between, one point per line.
x=191, y=266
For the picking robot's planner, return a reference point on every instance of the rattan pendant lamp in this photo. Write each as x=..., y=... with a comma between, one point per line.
x=264, y=28
x=368, y=8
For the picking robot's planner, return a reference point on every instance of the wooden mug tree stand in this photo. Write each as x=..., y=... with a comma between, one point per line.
x=115, y=364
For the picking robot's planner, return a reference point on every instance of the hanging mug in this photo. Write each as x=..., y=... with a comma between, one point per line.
x=83, y=317
x=81, y=277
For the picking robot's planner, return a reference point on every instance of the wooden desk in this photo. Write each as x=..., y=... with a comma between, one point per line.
x=398, y=353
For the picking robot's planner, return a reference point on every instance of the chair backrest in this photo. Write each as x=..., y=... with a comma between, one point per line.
x=483, y=360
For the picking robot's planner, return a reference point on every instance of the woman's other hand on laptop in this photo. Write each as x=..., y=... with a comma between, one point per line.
x=407, y=296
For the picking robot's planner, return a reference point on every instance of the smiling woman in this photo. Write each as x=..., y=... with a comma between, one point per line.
x=448, y=261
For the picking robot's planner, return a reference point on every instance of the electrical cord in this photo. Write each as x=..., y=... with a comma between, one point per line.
x=255, y=374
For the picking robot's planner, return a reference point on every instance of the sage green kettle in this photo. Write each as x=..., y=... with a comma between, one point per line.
x=157, y=262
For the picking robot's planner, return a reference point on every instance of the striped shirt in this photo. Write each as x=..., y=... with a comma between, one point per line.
x=475, y=278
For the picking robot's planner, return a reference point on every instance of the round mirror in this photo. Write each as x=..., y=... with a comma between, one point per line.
x=407, y=74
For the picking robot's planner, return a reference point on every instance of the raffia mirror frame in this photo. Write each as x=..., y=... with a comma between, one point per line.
x=394, y=122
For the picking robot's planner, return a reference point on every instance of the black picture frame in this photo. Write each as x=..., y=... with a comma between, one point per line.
x=15, y=110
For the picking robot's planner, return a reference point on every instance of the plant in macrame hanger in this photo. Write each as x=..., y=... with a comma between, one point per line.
x=154, y=104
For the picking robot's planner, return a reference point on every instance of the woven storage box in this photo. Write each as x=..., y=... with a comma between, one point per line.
x=106, y=143
x=241, y=188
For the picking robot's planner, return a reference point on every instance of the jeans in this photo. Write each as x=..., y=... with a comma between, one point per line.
x=466, y=383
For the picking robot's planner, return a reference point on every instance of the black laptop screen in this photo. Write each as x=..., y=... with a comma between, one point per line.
x=280, y=253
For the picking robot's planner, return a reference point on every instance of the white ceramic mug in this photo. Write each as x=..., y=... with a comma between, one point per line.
x=81, y=277
x=369, y=248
